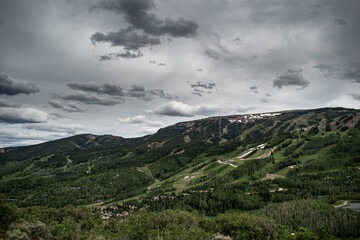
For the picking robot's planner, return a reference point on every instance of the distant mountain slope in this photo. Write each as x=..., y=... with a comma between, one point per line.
x=65, y=145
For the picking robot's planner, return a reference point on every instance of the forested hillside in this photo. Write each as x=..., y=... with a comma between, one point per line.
x=255, y=176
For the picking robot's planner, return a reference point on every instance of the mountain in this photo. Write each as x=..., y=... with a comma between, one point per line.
x=61, y=172
x=251, y=162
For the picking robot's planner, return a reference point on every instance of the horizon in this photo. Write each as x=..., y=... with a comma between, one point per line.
x=129, y=68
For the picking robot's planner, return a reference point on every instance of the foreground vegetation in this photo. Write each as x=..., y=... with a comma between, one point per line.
x=285, y=222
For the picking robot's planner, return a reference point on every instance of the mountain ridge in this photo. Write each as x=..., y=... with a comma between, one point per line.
x=184, y=123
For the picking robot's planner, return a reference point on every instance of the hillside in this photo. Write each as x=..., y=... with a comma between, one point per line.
x=213, y=165
x=59, y=172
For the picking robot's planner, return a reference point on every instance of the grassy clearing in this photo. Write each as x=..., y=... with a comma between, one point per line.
x=146, y=170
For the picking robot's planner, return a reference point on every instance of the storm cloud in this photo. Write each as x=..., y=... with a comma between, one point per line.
x=290, y=78
x=205, y=85
x=127, y=38
x=93, y=87
x=93, y=100
x=22, y=115
x=140, y=92
x=126, y=54
x=10, y=86
x=107, y=95
x=349, y=71
x=161, y=94
x=134, y=91
x=136, y=14
x=137, y=91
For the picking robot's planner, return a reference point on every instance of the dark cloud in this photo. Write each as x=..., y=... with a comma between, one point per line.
x=136, y=13
x=200, y=87
x=127, y=38
x=144, y=30
x=105, y=58
x=355, y=96
x=197, y=94
x=141, y=92
x=290, y=78
x=12, y=115
x=204, y=85
x=340, y=21
x=71, y=107
x=179, y=109
x=237, y=41
x=254, y=89
x=105, y=88
x=199, y=90
x=324, y=67
x=93, y=100
x=137, y=91
x=212, y=55
x=125, y=54
x=10, y=86
x=161, y=93
x=349, y=71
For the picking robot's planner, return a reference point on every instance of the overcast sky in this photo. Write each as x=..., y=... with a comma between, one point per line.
x=130, y=67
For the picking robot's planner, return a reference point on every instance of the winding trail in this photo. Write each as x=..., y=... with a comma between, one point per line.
x=342, y=205
x=232, y=165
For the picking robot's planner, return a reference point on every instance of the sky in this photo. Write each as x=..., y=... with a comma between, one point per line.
x=130, y=67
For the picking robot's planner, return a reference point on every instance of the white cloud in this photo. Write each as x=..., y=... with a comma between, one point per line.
x=148, y=130
x=140, y=119
x=180, y=109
